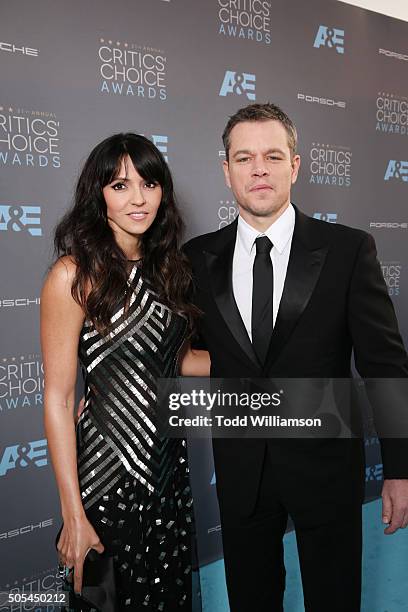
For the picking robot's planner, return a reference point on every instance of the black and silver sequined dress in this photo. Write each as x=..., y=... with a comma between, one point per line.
x=135, y=486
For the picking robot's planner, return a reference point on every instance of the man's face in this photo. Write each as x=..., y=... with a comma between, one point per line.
x=260, y=170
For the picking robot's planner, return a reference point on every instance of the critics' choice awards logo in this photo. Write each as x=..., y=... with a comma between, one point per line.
x=330, y=165
x=128, y=69
x=45, y=581
x=397, y=170
x=21, y=382
x=238, y=83
x=227, y=212
x=29, y=138
x=391, y=114
x=333, y=38
x=21, y=218
x=245, y=19
x=392, y=275
x=23, y=455
x=328, y=217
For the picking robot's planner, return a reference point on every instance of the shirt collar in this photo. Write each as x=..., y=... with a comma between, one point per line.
x=279, y=233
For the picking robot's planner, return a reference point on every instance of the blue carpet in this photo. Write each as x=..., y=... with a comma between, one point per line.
x=385, y=571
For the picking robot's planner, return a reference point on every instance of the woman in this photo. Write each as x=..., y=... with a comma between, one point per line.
x=117, y=296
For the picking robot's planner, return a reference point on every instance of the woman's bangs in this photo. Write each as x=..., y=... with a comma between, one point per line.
x=147, y=162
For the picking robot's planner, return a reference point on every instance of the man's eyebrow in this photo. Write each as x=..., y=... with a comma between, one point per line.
x=248, y=152
x=241, y=151
x=275, y=150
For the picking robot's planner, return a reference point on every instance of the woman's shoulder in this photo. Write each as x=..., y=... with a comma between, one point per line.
x=58, y=305
x=60, y=278
x=63, y=270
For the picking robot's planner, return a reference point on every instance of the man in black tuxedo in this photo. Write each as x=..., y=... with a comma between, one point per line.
x=285, y=295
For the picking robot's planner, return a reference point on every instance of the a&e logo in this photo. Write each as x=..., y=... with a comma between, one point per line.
x=161, y=143
x=23, y=455
x=330, y=37
x=329, y=217
x=238, y=83
x=397, y=170
x=20, y=219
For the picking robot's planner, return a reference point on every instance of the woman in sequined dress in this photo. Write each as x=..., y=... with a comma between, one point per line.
x=117, y=298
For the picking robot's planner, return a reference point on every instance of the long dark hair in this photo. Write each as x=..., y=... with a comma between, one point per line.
x=85, y=235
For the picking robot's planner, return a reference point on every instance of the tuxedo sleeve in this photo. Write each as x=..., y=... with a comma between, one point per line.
x=379, y=353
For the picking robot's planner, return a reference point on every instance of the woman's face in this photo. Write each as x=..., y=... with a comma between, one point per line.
x=131, y=204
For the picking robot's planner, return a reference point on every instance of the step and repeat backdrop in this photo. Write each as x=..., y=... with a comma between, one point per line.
x=73, y=73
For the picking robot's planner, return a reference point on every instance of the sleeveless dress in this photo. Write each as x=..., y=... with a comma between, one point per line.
x=135, y=485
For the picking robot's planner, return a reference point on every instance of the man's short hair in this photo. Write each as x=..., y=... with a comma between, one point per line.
x=261, y=112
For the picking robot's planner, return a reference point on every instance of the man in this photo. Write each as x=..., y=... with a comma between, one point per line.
x=284, y=295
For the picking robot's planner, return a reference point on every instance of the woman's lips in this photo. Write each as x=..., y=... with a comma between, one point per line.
x=138, y=216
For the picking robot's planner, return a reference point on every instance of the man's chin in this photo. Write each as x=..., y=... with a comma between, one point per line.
x=260, y=211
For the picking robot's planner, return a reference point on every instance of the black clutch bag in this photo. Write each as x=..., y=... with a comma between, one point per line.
x=98, y=583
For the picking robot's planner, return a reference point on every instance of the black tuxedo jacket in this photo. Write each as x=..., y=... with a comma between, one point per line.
x=334, y=301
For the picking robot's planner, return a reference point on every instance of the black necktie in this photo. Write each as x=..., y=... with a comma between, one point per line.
x=262, y=298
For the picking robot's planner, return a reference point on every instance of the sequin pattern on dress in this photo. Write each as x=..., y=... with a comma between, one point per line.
x=134, y=484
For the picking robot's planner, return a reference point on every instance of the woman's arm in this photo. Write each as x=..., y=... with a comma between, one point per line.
x=194, y=362
x=61, y=322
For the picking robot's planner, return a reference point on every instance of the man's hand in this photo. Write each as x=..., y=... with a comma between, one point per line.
x=395, y=504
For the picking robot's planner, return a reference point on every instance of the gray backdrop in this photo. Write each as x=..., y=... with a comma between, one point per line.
x=75, y=72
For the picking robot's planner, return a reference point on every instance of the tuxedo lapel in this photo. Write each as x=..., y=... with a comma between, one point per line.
x=307, y=256
x=219, y=266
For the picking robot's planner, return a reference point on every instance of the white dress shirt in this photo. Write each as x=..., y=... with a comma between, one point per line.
x=280, y=233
